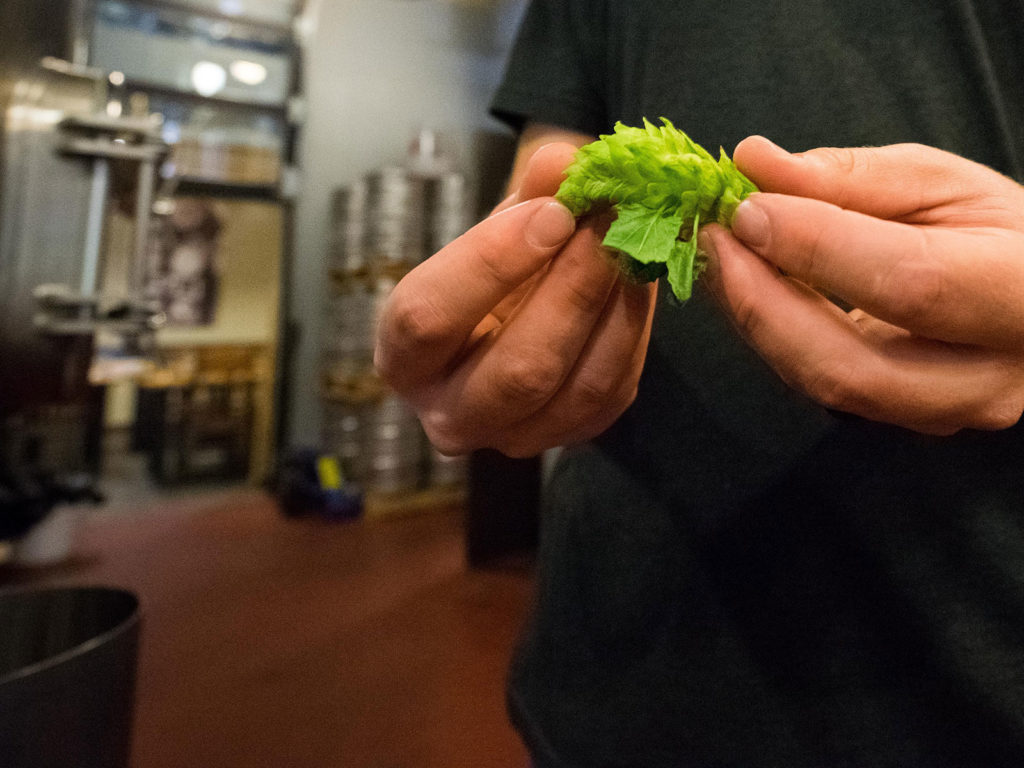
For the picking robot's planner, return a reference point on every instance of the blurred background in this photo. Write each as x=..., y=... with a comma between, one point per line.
x=206, y=494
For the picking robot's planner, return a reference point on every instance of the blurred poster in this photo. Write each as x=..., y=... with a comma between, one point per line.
x=184, y=275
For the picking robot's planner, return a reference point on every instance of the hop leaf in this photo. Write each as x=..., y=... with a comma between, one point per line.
x=661, y=184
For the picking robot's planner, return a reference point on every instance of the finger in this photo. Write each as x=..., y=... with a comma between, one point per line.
x=909, y=182
x=602, y=384
x=433, y=310
x=939, y=388
x=597, y=222
x=958, y=285
x=545, y=170
x=543, y=173
x=512, y=373
x=536, y=135
x=867, y=368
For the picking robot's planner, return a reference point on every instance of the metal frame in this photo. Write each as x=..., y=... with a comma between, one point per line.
x=283, y=193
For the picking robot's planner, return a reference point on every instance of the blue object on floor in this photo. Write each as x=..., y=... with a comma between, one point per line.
x=311, y=482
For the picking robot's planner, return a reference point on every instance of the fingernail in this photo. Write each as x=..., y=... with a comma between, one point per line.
x=550, y=225
x=706, y=246
x=750, y=224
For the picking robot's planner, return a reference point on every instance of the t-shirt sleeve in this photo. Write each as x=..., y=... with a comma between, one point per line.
x=552, y=74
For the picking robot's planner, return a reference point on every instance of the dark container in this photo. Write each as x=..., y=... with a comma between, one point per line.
x=67, y=677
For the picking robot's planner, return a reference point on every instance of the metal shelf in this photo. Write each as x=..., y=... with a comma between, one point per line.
x=208, y=13
x=280, y=109
x=289, y=110
x=191, y=186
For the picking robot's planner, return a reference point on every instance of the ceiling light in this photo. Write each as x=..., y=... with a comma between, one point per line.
x=208, y=78
x=248, y=72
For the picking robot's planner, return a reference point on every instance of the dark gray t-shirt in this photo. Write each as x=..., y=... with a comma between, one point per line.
x=732, y=575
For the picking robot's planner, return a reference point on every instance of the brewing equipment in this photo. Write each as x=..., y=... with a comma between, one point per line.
x=383, y=225
x=67, y=157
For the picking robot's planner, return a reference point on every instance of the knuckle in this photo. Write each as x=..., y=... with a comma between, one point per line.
x=915, y=290
x=835, y=384
x=586, y=295
x=587, y=281
x=596, y=392
x=602, y=418
x=841, y=163
x=525, y=379
x=999, y=415
x=815, y=256
x=412, y=321
x=746, y=314
x=842, y=166
x=845, y=159
x=920, y=292
x=595, y=417
x=492, y=257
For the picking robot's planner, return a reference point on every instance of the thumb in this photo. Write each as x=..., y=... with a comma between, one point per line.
x=891, y=182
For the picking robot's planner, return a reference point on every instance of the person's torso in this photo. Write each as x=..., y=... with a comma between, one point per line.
x=731, y=575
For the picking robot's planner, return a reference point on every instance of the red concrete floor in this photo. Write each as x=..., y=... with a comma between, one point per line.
x=300, y=643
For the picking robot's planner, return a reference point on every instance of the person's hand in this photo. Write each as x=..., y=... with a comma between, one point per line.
x=520, y=335
x=926, y=246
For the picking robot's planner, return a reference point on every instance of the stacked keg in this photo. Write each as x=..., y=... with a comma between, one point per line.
x=382, y=226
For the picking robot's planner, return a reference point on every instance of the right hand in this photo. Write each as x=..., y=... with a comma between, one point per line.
x=521, y=335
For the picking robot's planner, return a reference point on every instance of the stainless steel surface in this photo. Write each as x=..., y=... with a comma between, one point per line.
x=44, y=211
x=143, y=218
x=101, y=141
x=62, y=160
x=347, y=254
x=43, y=214
x=382, y=225
x=396, y=219
x=380, y=443
x=96, y=219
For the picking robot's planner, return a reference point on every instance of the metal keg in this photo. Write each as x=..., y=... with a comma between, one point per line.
x=354, y=308
x=347, y=247
x=342, y=436
x=396, y=226
x=448, y=209
x=446, y=471
x=380, y=443
x=382, y=226
x=394, y=442
x=351, y=318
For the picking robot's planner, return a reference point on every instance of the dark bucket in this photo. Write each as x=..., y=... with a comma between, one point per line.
x=67, y=677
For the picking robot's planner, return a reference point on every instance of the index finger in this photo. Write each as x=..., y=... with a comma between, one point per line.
x=434, y=309
x=955, y=284
x=908, y=182
x=857, y=363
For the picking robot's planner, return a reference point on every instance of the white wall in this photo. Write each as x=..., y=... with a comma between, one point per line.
x=376, y=72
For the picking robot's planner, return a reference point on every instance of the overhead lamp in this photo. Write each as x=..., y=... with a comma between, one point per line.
x=248, y=72
x=208, y=78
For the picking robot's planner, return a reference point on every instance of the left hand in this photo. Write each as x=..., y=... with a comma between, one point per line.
x=928, y=248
